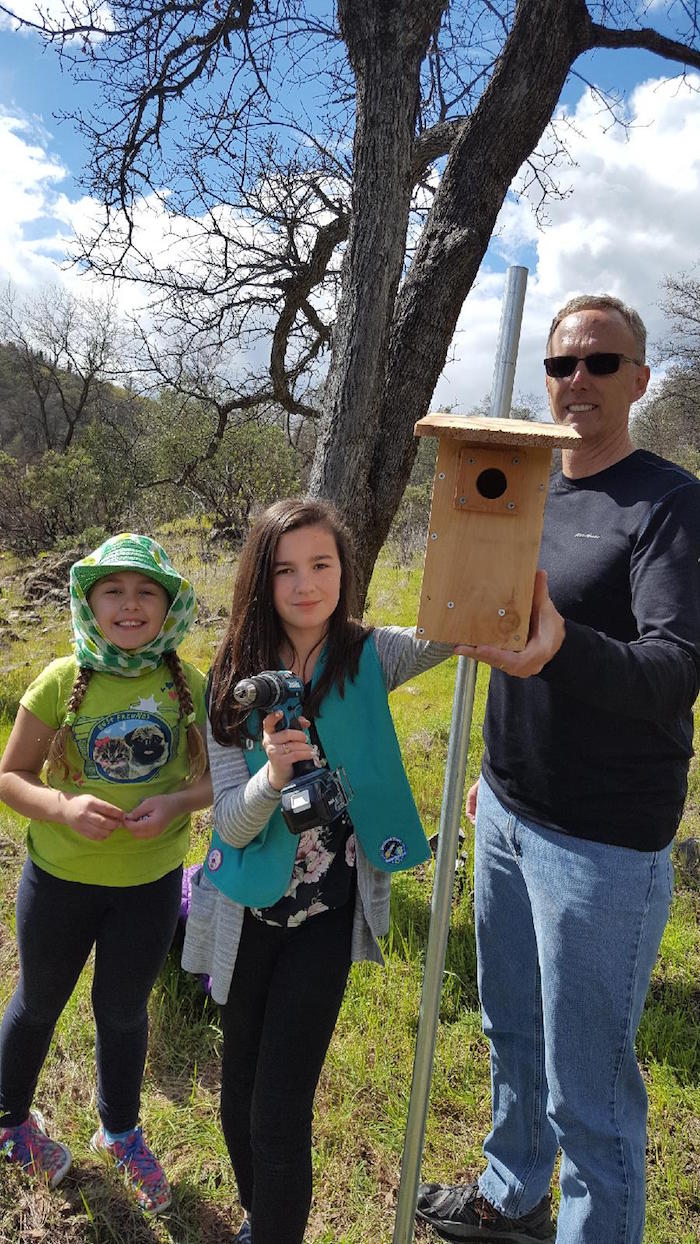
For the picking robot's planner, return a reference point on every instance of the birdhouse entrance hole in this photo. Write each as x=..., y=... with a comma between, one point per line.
x=490, y=481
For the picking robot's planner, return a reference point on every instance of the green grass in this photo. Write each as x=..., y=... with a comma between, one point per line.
x=363, y=1094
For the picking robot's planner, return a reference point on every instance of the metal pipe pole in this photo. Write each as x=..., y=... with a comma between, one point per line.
x=450, y=815
x=508, y=339
x=441, y=904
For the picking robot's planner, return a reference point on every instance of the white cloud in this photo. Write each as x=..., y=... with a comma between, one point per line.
x=54, y=12
x=25, y=10
x=630, y=220
x=30, y=175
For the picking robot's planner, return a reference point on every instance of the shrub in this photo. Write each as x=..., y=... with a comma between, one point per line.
x=48, y=501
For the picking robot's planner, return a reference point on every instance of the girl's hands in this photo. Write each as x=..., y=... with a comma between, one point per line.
x=283, y=749
x=96, y=819
x=92, y=817
x=546, y=636
x=151, y=816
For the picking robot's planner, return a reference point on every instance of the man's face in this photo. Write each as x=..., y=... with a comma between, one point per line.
x=596, y=406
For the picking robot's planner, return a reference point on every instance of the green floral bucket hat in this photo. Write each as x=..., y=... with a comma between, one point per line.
x=128, y=552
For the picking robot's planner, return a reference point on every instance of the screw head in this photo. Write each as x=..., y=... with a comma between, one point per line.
x=450, y=604
x=441, y=474
x=501, y=613
x=433, y=535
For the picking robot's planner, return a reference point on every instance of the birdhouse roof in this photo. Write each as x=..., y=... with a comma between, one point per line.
x=483, y=430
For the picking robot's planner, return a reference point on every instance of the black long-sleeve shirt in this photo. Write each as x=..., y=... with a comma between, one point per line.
x=598, y=744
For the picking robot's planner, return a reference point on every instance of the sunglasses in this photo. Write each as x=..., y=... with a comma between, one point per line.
x=598, y=364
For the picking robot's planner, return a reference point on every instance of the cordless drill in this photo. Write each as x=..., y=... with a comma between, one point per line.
x=315, y=796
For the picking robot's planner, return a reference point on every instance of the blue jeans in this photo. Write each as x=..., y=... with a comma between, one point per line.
x=567, y=935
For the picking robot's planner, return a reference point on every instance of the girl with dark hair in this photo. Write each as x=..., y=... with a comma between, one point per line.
x=276, y=918
x=119, y=726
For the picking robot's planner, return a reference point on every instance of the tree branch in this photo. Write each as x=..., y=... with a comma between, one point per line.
x=433, y=143
x=650, y=40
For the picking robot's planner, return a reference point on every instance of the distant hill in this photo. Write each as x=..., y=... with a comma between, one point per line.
x=38, y=403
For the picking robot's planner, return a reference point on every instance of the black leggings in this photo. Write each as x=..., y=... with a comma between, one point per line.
x=285, y=996
x=58, y=922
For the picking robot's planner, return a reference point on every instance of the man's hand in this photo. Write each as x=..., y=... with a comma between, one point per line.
x=472, y=796
x=546, y=636
x=93, y=818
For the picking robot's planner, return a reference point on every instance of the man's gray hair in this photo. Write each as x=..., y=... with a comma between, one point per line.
x=604, y=302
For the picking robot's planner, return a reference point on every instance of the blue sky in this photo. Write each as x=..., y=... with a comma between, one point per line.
x=33, y=86
x=631, y=217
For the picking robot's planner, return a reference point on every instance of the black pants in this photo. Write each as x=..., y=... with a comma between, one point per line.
x=285, y=996
x=58, y=922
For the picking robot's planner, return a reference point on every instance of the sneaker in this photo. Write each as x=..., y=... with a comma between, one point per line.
x=462, y=1213
x=142, y=1169
x=29, y=1146
x=245, y=1233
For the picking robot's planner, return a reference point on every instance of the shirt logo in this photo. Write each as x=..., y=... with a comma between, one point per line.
x=130, y=746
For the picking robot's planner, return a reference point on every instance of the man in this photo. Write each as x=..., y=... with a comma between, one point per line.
x=582, y=789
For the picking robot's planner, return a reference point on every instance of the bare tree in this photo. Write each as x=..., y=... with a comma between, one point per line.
x=62, y=348
x=668, y=421
x=282, y=234
x=681, y=302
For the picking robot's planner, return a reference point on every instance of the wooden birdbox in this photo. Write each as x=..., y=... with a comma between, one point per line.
x=489, y=493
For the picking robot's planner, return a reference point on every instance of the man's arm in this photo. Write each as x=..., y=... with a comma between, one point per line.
x=655, y=676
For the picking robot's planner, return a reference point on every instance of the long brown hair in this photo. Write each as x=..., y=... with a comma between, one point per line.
x=56, y=759
x=255, y=634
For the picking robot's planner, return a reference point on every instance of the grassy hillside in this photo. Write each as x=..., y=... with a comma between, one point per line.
x=363, y=1096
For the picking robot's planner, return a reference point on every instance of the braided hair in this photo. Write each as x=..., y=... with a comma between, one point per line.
x=56, y=758
x=195, y=745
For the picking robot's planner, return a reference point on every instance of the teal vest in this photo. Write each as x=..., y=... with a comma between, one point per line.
x=358, y=735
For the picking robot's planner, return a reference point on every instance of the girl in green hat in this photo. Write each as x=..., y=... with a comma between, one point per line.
x=119, y=726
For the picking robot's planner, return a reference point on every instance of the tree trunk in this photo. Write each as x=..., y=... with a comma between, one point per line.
x=386, y=44
x=495, y=141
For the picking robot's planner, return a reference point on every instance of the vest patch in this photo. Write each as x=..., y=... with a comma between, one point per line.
x=215, y=859
x=393, y=850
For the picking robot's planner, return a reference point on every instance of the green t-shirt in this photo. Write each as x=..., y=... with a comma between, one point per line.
x=127, y=743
